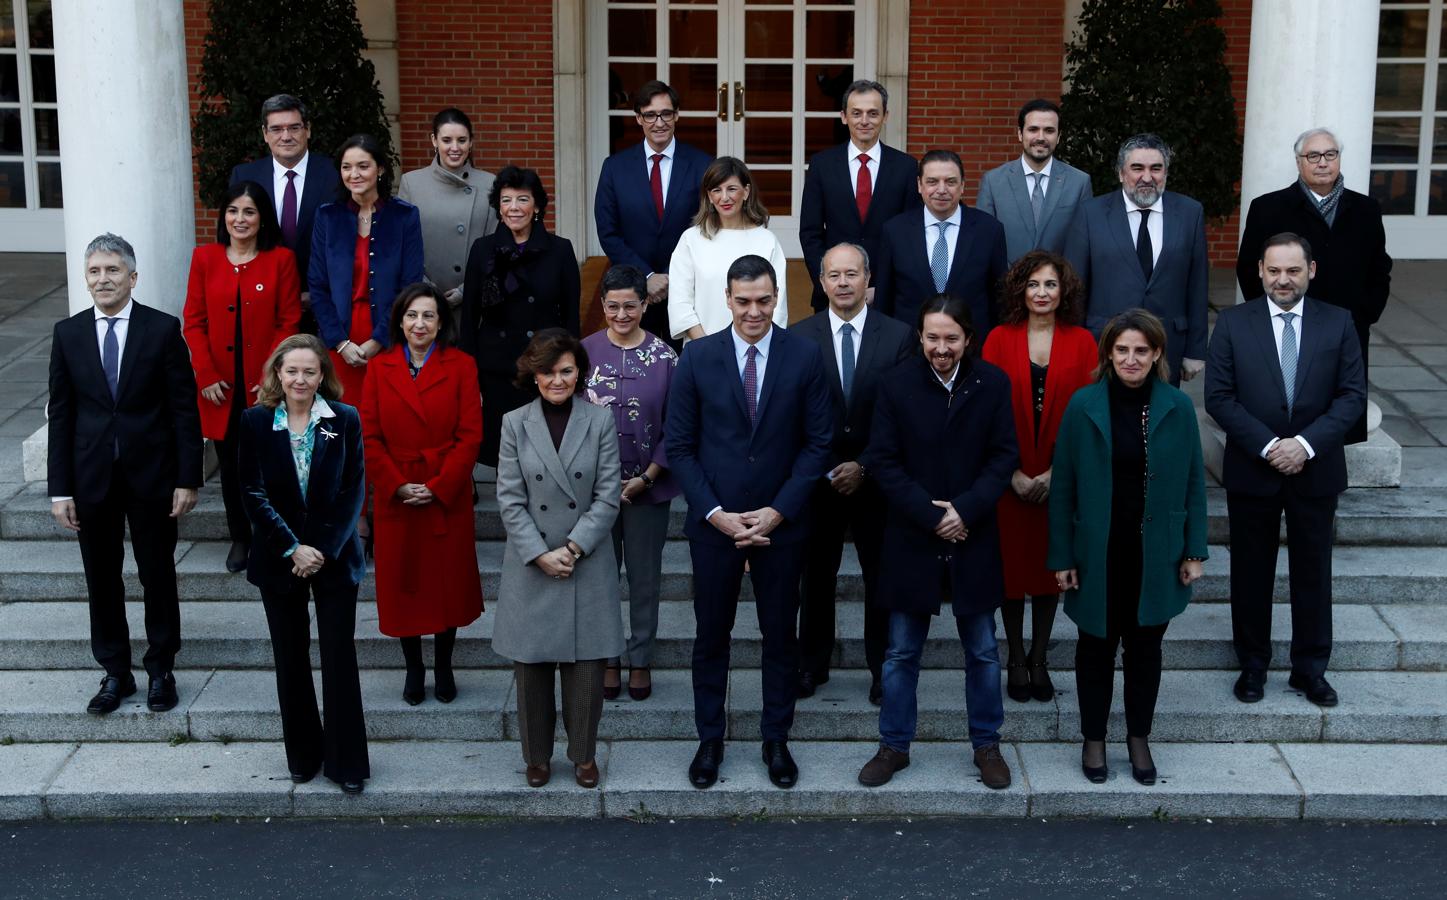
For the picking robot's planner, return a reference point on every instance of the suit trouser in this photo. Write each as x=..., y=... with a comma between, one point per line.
x=538, y=710
x=638, y=538
x=102, y=551
x=831, y=515
x=1255, y=538
x=227, y=466
x=718, y=574
x=339, y=749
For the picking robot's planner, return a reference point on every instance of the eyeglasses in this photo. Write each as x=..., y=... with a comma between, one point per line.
x=278, y=130
x=667, y=115
x=1317, y=156
x=614, y=309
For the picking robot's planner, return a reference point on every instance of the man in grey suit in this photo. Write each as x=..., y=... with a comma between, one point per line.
x=1036, y=196
x=1145, y=247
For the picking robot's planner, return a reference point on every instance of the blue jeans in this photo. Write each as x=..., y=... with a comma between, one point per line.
x=899, y=712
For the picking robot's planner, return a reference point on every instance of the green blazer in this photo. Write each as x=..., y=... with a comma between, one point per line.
x=1080, y=492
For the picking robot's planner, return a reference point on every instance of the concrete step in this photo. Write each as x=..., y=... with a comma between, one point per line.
x=646, y=780
x=233, y=634
x=228, y=705
x=1393, y=517
x=51, y=570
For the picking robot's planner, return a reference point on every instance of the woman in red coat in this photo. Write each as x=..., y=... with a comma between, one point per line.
x=421, y=429
x=243, y=298
x=1048, y=356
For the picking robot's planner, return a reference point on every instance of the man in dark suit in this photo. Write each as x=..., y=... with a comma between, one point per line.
x=950, y=248
x=859, y=348
x=1285, y=382
x=297, y=180
x=1145, y=247
x=1353, y=270
x=748, y=439
x=852, y=189
x=647, y=197
x=124, y=446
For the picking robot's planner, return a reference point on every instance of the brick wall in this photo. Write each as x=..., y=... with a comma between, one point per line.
x=196, y=24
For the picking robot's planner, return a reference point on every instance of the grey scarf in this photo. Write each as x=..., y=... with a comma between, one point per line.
x=1326, y=208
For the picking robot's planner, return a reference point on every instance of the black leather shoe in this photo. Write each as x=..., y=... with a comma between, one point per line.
x=353, y=787
x=808, y=683
x=1315, y=688
x=1250, y=686
x=161, y=695
x=876, y=693
x=413, y=689
x=113, y=689
x=304, y=777
x=782, y=770
x=703, y=771
x=236, y=559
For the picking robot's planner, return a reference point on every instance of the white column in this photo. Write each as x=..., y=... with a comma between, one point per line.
x=1313, y=65
x=125, y=139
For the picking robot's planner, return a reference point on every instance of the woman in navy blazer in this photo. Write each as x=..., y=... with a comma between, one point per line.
x=302, y=483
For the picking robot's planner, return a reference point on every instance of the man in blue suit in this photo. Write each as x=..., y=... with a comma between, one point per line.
x=1145, y=247
x=748, y=434
x=647, y=197
x=852, y=189
x=297, y=180
x=950, y=248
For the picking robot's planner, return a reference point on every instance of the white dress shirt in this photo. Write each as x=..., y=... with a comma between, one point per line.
x=761, y=362
x=949, y=383
x=665, y=165
x=1278, y=326
x=932, y=234
x=278, y=186
x=1044, y=181
x=122, y=326
x=1156, y=224
x=875, y=153
x=857, y=323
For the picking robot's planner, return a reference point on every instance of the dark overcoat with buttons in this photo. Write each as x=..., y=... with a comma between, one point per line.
x=547, y=497
x=455, y=213
x=396, y=254
x=928, y=443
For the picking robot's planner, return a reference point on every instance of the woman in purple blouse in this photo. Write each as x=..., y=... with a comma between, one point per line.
x=631, y=372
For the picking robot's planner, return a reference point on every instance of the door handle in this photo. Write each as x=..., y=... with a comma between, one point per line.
x=738, y=100
x=723, y=101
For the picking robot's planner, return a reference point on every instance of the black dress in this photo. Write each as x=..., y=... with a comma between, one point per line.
x=1128, y=410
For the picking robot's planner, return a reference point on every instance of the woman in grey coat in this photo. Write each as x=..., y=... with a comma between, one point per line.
x=452, y=197
x=558, y=605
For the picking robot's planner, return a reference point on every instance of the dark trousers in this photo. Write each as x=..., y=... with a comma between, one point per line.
x=1255, y=539
x=538, y=708
x=339, y=749
x=102, y=551
x=1095, y=677
x=638, y=539
x=237, y=524
x=832, y=514
x=718, y=574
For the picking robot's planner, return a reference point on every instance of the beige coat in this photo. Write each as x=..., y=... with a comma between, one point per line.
x=455, y=212
x=547, y=497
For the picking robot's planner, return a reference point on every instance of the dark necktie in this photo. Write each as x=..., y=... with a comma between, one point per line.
x=655, y=183
x=288, y=212
x=110, y=356
x=846, y=350
x=863, y=187
x=751, y=384
x=1143, y=246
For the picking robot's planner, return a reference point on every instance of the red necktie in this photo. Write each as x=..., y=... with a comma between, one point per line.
x=863, y=187
x=655, y=181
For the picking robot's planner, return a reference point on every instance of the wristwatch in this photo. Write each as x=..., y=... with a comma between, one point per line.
x=647, y=482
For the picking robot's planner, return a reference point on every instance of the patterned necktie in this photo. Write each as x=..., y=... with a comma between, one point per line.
x=863, y=187
x=655, y=183
x=939, y=260
x=1037, y=197
x=110, y=356
x=288, y=212
x=1288, y=359
x=751, y=384
x=1143, y=246
x=846, y=350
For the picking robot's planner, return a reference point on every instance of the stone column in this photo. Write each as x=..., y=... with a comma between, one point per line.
x=125, y=147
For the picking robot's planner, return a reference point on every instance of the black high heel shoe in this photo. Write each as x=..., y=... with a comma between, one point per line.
x=1145, y=776
x=1020, y=693
x=413, y=690
x=1094, y=774
x=1041, y=687
x=444, y=686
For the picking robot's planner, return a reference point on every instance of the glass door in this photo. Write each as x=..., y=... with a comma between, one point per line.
x=30, y=195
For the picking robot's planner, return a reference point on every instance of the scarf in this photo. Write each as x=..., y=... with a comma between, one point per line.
x=1326, y=208
x=507, y=275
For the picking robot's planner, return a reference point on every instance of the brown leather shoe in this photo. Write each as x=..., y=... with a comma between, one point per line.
x=539, y=775
x=994, y=771
x=586, y=775
x=879, y=770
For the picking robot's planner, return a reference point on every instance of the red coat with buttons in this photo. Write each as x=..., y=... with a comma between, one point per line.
x=269, y=292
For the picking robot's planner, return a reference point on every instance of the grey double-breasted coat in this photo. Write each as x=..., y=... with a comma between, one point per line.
x=455, y=212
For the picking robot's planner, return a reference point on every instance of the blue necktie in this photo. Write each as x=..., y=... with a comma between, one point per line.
x=939, y=261
x=1288, y=359
x=110, y=356
x=846, y=349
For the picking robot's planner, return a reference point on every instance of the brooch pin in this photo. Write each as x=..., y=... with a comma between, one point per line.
x=327, y=434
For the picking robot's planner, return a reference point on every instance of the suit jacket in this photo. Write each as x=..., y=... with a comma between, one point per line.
x=1247, y=398
x=1005, y=194
x=928, y=444
x=322, y=186
x=326, y=518
x=1101, y=247
x=882, y=345
x=828, y=214
x=623, y=210
x=152, y=423
x=721, y=460
x=396, y=262
x=903, y=281
x=454, y=212
x=547, y=497
x=1353, y=270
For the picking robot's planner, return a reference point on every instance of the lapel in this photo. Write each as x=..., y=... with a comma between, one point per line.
x=1119, y=227
x=1168, y=230
x=965, y=385
x=537, y=431
x=280, y=447
x=136, y=333
x=1159, y=407
x=774, y=365
x=1055, y=187
x=1259, y=322
x=962, y=249
x=868, y=345
x=728, y=370
x=824, y=337
x=573, y=436
x=1097, y=409
x=311, y=191
x=1020, y=191
x=1307, y=340
x=401, y=380
x=87, y=351
x=322, y=451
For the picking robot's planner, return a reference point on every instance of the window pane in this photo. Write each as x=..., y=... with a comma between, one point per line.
x=9, y=78
x=1439, y=141
x=47, y=131
x=42, y=78
x=42, y=34
x=1394, y=139
x=824, y=87
x=631, y=33
x=1403, y=32
x=829, y=34
x=700, y=131
x=622, y=132
x=12, y=185
x=821, y=133
x=769, y=87
x=1396, y=191
x=1442, y=84
x=10, y=131
x=696, y=84
x=624, y=78
x=768, y=35
x=1399, y=86
x=1437, y=195
x=693, y=32
x=7, y=23
x=776, y=190
x=48, y=174
x=768, y=140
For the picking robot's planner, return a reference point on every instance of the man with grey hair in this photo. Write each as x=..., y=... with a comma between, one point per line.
x=1145, y=247
x=853, y=188
x=124, y=448
x=1353, y=270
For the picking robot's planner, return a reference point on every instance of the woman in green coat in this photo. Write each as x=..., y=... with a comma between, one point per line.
x=1127, y=529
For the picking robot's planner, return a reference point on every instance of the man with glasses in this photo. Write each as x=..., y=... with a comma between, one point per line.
x=647, y=196
x=298, y=180
x=1345, y=230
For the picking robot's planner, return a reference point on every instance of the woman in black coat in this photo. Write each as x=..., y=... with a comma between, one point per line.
x=520, y=279
x=942, y=451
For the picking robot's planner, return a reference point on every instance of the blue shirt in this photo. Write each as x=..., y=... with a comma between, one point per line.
x=303, y=444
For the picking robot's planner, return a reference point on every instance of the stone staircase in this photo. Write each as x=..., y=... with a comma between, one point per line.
x=1381, y=754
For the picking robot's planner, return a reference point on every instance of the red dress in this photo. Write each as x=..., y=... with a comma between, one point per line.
x=352, y=377
x=423, y=431
x=1025, y=527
